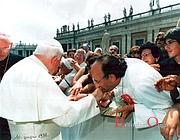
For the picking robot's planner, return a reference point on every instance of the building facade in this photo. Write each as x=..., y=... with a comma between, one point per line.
x=23, y=49
x=124, y=32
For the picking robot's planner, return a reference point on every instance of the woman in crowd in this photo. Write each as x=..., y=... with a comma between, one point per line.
x=150, y=54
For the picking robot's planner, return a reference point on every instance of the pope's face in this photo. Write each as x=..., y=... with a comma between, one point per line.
x=4, y=49
x=55, y=61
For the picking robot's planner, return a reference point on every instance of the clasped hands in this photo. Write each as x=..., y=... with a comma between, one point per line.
x=78, y=93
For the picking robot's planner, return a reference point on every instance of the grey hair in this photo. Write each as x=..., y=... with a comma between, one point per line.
x=98, y=49
x=49, y=48
x=82, y=51
x=6, y=38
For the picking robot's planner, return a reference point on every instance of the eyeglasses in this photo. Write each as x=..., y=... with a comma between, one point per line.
x=97, y=82
x=5, y=49
x=168, y=42
x=160, y=39
x=114, y=50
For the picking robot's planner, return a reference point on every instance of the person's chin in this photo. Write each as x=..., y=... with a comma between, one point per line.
x=2, y=58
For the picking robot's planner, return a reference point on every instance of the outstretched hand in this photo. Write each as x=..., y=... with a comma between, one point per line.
x=125, y=110
x=168, y=83
x=171, y=124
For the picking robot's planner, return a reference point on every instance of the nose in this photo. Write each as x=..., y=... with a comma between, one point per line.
x=97, y=85
x=143, y=58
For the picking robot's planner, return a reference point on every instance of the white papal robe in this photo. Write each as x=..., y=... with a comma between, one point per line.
x=34, y=105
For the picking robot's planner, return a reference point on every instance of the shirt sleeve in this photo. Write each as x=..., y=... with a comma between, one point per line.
x=80, y=111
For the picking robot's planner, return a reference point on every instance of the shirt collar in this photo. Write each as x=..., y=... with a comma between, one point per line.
x=35, y=59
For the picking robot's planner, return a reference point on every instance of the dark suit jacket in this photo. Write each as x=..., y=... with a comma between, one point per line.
x=171, y=67
x=13, y=58
x=4, y=128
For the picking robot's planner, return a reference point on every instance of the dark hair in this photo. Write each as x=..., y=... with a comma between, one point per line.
x=134, y=49
x=71, y=50
x=155, y=50
x=90, y=60
x=112, y=65
x=174, y=34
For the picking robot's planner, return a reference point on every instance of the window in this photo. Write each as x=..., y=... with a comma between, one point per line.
x=139, y=42
x=20, y=52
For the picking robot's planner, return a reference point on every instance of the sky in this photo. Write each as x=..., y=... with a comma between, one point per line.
x=31, y=21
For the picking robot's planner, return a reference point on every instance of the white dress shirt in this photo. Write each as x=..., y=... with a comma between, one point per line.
x=138, y=82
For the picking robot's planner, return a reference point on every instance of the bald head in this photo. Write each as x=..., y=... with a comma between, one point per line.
x=5, y=46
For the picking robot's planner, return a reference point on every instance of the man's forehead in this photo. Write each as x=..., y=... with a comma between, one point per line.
x=4, y=42
x=96, y=68
x=95, y=64
x=146, y=50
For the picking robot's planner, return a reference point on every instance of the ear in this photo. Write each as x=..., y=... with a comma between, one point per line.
x=54, y=59
x=112, y=77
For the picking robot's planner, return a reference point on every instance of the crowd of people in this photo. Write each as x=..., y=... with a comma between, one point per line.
x=51, y=89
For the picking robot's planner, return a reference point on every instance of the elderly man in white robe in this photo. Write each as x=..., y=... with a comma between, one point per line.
x=32, y=102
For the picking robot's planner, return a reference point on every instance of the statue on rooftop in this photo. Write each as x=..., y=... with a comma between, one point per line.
x=57, y=32
x=124, y=12
x=92, y=22
x=105, y=18
x=78, y=26
x=88, y=23
x=73, y=27
x=157, y=3
x=131, y=11
x=151, y=4
x=109, y=17
x=105, y=42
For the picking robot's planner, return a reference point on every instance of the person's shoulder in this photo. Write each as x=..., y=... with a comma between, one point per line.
x=137, y=67
x=133, y=61
x=167, y=61
x=13, y=59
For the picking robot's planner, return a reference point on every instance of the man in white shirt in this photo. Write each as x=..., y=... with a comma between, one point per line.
x=135, y=78
x=32, y=102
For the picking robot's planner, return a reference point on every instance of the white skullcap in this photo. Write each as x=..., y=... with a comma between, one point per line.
x=49, y=48
x=67, y=62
